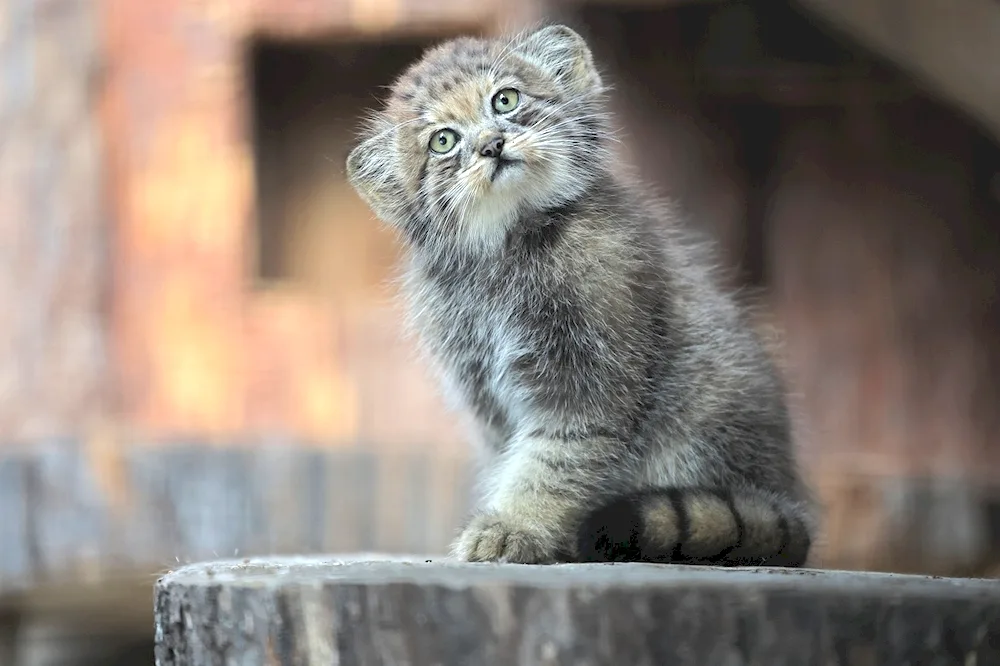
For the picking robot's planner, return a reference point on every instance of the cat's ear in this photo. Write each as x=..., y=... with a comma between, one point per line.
x=564, y=54
x=371, y=172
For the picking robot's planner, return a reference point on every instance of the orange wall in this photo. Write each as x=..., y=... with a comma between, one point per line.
x=198, y=347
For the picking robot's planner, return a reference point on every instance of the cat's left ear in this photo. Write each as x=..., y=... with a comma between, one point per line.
x=564, y=55
x=372, y=173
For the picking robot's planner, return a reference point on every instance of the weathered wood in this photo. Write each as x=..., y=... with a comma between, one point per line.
x=422, y=613
x=65, y=520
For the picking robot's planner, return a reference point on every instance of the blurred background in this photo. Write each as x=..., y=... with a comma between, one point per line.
x=200, y=354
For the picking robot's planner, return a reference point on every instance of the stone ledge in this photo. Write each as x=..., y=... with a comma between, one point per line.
x=419, y=612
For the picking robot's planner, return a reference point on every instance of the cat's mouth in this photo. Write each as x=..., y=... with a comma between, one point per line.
x=502, y=166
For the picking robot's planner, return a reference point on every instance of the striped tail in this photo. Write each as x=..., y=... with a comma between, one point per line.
x=716, y=526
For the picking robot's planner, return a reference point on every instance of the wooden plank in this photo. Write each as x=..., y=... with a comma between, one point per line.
x=16, y=558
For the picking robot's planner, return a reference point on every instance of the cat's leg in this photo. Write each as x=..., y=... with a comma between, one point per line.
x=540, y=489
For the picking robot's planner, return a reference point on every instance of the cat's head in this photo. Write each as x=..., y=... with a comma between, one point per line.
x=480, y=133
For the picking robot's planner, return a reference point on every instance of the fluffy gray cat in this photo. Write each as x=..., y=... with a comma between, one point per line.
x=628, y=410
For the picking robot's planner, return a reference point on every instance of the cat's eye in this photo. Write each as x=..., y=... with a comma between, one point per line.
x=506, y=100
x=443, y=141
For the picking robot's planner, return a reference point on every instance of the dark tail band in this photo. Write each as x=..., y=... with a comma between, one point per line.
x=723, y=527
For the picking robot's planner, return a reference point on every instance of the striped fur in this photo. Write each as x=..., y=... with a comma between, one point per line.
x=573, y=320
x=718, y=526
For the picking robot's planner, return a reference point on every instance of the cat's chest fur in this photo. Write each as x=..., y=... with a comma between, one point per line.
x=476, y=323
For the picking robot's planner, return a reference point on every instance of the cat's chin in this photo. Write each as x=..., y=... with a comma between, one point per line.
x=506, y=169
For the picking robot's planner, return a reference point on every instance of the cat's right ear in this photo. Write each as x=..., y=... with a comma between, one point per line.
x=371, y=172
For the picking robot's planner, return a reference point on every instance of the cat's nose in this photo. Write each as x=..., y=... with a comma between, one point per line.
x=491, y=145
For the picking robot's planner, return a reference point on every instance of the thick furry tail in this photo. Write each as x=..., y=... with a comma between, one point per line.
x=717, y=526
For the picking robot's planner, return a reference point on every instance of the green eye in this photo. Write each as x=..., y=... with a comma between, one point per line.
x=506, y=100
x=443, y=141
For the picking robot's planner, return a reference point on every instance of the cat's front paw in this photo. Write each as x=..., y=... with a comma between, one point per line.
x=491, y=537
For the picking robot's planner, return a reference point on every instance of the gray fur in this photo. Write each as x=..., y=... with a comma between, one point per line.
x=565, y=310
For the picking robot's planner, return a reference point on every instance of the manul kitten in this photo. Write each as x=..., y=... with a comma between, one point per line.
x=626, y=408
